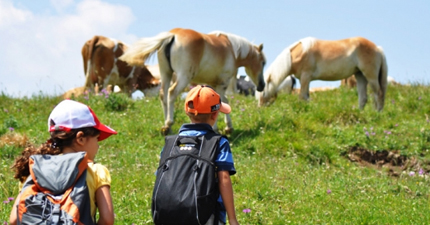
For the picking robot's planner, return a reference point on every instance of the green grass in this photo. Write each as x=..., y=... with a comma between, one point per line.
x=288, y=156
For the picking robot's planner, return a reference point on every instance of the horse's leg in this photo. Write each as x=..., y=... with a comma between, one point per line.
x=221, y=89
x=166, y=77
x=361, y=89
x=177, y=87
x=376, y=89
x=305, y=79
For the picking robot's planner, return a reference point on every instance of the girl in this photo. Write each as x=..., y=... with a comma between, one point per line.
x=74, y=128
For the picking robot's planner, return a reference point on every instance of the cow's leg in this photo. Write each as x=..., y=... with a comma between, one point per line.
x=361, y=89
x=305, y=80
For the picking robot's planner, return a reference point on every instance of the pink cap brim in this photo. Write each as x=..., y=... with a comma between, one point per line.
x=225, y=108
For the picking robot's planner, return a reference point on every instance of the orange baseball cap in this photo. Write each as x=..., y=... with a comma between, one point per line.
x=204, y=99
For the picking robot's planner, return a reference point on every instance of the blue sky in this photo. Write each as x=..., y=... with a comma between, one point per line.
x=41, y=40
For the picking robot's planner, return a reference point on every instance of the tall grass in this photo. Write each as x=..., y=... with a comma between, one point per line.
x=288, y=156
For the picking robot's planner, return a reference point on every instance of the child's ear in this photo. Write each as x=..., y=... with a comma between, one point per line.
x=80, y=139
x=214, y=115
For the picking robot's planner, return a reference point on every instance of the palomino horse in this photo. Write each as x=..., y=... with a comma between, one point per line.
x=197, y=58
x=312, y=59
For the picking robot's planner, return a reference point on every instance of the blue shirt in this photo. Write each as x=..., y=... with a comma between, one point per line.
x=224, y=160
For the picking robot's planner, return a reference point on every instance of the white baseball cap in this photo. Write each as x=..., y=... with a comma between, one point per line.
x=70, y=114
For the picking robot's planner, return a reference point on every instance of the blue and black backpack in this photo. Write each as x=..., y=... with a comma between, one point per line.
x=186, y=185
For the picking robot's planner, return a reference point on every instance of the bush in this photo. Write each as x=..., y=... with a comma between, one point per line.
x=118, y=102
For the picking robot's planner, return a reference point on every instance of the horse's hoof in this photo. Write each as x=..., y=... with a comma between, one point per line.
x=228, y=130
x=165, y=130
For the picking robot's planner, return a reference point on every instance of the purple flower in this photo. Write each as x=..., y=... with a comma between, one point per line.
x=328, y=191
x=5, y=202
x=412, y=173
x=373, y=133
x=246, y=210
x=396, y=125
x=388, y=132
x=421, y=172
x=10, y=198
x=371, y=128
x=86, y=97
x=11, y=128
x=367, y=133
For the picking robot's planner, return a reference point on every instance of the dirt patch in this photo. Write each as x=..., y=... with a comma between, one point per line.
x=391, y=161
x=13, y=139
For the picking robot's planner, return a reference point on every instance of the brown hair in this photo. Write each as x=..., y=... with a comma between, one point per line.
x=53, y=146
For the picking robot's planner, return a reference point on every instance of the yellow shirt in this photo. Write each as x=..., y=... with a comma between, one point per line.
x=97, y=176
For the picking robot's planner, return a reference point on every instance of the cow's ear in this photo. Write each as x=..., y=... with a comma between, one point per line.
x=260, y=47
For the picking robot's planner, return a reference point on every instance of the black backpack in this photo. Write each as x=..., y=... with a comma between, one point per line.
x=186, y=186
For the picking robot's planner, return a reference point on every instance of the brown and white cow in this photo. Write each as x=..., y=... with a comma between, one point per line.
x=102, y=66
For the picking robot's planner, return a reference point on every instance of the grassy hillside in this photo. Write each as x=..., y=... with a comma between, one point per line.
x=317, y=162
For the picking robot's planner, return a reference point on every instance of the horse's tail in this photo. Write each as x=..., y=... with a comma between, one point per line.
x=383, y=74
x=87, y=54
x=140, y=51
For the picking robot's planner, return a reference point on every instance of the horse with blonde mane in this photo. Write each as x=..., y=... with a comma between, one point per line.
x=312, y=59
x=211, y=59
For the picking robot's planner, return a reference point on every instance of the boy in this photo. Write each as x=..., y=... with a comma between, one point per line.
x=202, y=106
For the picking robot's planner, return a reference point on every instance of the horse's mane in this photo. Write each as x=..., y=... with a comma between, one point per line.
x=240, y=45
x=280, y=68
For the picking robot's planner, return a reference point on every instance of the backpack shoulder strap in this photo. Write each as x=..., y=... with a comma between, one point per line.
x=210, y=145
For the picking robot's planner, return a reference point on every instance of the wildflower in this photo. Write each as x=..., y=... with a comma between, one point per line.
x=367, y=133
x=11, y=128
x=10, y=198
x=242, y=109
x=412, y=173
x=246, y=210
x=373, y=133
x=388, y=132
x=396, y=125
x=371, y=128
x=86, y=97
x=421, y=172
x=5, y=202
x=328, y=191
x=419, y=98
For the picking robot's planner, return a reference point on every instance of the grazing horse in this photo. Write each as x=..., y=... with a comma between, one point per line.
x=312, y=59
x=197, y=58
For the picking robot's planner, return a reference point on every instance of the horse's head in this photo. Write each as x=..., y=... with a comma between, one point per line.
x=270, y=92
x=255, y=66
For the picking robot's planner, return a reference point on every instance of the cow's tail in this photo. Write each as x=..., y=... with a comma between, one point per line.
x=383, y=75
x=140, y=51
x=87, y=54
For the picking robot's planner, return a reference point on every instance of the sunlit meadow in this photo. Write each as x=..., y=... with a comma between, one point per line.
x=290, y=156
